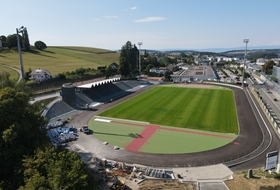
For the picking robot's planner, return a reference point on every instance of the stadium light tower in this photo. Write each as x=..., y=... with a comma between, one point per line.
x=245, y=41
x=140, y=43
x=20, y=30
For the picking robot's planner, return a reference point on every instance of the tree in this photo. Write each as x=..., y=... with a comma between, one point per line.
x=128, y=56
x=61, y=76
x=183, y=55
x=268, y=67
x=27, y=160
x=167, y=75
x=26, y=44
x=80, y=71
x=166, y=61
x=21, y=131
x=11, y=41
x=40, y=45
x=124, y=69
x=4, y=78
x=52, y=168
x=3, y=40
x=27, y=74
x=147, y=70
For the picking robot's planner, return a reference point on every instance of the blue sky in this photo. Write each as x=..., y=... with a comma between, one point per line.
x=159, y=24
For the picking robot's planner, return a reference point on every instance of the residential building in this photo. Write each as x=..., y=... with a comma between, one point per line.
x=40, y=75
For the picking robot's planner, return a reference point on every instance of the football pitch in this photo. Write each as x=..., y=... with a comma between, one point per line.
x=206, y=109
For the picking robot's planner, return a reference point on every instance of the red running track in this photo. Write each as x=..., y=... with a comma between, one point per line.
x=137, y=143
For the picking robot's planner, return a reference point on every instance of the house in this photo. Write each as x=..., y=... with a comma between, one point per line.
x=40, y=75
x=113, y=65
x=160, y=70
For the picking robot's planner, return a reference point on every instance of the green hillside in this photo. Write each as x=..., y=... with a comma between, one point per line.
x=58, y=59
x=13, y=74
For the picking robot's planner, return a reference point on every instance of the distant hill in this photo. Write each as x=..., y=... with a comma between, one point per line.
x=254, y=54
x=58, y=59
x=221, y=50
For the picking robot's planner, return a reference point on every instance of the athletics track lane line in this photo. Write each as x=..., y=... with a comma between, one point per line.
x=137, y=143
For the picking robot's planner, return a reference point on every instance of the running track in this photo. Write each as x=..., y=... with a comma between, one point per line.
x=250, y=138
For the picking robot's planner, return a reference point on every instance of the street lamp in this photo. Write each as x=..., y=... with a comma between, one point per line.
x=20, y=30
x=140, y=43
x=245, y=41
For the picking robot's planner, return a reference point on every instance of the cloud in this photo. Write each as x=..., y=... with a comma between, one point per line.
x=97, y=19
x=150, y=19
x=110, y=17
x=133, y=8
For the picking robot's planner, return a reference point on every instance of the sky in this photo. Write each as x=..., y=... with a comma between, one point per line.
x=158, y=24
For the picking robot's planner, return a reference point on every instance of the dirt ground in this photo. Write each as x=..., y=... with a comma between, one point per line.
x=240, y=181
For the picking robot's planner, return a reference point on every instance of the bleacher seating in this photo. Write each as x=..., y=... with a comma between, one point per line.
x=57, y=109
x=82, y=100
x=108, y=92
x=101, y=94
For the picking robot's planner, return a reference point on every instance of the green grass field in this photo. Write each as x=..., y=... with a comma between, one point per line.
x=163, y=141
x=13, y=74
x=171, y=142
x=61, y=59
x=115, y=134
x=195, y=108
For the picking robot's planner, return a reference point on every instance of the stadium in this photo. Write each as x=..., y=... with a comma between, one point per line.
x=85, y=104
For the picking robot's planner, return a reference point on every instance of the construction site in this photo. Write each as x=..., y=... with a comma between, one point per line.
x=114, y=175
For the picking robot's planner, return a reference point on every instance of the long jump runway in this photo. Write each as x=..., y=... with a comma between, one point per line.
x=249, y=139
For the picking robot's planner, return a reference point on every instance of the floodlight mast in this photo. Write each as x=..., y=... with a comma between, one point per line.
x=140, y=43
x=245, y=41
x=19, y=53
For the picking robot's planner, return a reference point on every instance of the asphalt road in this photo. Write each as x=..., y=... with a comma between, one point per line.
x=252, y=143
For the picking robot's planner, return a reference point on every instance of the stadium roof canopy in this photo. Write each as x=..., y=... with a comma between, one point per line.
x=98, y=83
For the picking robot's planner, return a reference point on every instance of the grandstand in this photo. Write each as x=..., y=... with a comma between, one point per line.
x=90, y=95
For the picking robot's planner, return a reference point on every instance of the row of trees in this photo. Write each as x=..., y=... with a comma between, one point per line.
x=11, y=41
x=27, y=159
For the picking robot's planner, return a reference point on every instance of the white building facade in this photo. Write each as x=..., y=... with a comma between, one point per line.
x=40, y=75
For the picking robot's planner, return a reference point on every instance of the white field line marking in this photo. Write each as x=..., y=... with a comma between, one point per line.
x=132, y=121
x=102, y=120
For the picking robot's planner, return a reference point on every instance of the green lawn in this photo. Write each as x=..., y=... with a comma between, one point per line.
x=171, y=142
x=61, y=59
x=14, y=75
x=202, y=109
x=115, y=134
x=163, y=141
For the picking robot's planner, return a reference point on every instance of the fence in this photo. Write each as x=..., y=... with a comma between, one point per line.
x=271, y=116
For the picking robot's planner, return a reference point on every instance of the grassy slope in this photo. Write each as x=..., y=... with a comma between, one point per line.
x=61, y=59
x=203, y=109
x=13, y=74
